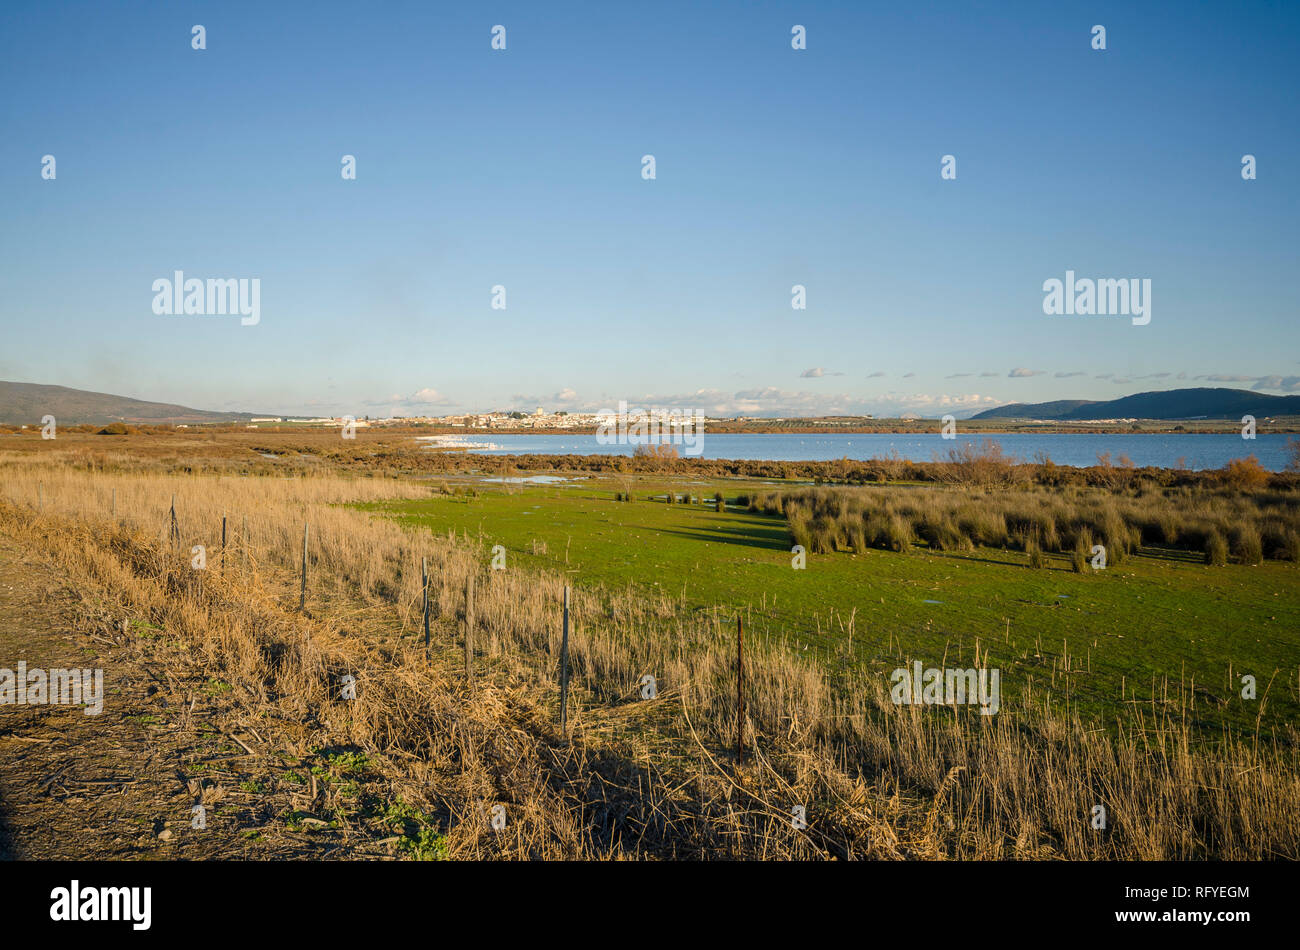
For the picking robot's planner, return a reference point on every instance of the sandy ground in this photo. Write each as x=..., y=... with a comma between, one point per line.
x=123, y=784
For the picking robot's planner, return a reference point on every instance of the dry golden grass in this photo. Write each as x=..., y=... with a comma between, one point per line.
x=638, y=778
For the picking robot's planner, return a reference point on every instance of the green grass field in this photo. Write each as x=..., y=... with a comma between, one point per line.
x=1149, y=624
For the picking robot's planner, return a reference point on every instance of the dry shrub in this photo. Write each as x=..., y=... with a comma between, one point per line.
x=656, y=450
x=1245, y=474
x=981, y=465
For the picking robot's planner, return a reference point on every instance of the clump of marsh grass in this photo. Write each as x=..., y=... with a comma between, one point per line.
x=1170, y=526
x=1216, y=549
x=958, y=518
x=983, y=525
x=1037, y=559
x=1081, y=555
x=1289, y=548
x=856, y=534
x=800, y=531
x=1115, y=536
x=896, y=534
x=1247, y=545
x=825, y=533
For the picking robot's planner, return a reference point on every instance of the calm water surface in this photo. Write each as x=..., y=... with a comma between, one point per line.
x=1164, y=450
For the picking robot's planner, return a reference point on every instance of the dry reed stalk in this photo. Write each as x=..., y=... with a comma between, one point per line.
x=1027, y=780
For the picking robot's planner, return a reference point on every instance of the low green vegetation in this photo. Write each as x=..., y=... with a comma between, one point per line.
x=419, y=837
x=1162, y=622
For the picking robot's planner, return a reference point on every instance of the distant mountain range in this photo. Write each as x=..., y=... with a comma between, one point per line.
x=1171, y=404
x=26, y=403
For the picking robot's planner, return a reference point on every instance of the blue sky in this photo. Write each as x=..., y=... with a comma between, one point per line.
x=522, y=167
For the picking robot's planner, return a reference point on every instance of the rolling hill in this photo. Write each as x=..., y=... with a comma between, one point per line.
x=1171, y=404
x=26, y=403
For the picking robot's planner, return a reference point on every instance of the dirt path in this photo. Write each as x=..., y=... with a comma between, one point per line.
x=123, y=784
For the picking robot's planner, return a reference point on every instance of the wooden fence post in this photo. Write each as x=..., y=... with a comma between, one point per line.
x=469, y=629
x=564, y=668
x=174, y=532
x=424, y=584
x=740, y=699
x=223, y=543
x=302, y=601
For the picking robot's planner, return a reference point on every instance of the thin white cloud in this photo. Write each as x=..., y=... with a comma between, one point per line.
x=1273, y=381
x=1288, y=384
x=773, y=401
x=421, y=399
x=567, y=397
